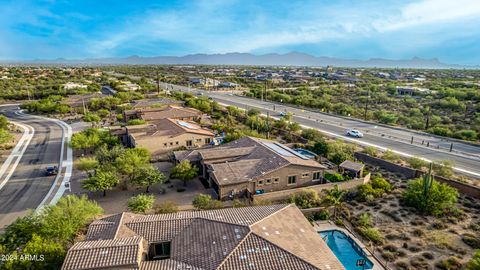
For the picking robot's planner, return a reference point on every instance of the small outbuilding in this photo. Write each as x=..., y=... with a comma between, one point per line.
x=353, y=169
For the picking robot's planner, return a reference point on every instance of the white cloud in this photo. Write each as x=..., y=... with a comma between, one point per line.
x=430, y=12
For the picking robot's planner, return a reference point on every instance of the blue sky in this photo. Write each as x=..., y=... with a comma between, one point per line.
x=397, y=29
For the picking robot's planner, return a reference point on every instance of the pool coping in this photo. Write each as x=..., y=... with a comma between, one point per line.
x=328, y=226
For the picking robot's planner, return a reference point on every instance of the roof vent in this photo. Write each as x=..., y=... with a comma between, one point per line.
x=224, y=237
x=243, y=257
x=277, y=232
x=302, y=230
x=267, y=234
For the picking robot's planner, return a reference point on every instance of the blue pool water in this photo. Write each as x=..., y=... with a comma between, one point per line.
x=346, y=250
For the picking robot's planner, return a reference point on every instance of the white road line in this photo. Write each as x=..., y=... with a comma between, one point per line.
x=66, y=137
x=360, y=142
x=16, y=152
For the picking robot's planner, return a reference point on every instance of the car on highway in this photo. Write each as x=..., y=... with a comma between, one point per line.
x=354, y=133
x=51, y=170
x=283, y=113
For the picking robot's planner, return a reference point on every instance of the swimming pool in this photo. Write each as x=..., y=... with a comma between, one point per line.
x=346, y=250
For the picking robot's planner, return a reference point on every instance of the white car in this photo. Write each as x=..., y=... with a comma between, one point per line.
x=354, y=133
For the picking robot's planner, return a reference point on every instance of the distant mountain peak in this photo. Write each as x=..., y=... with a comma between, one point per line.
x=294, y=58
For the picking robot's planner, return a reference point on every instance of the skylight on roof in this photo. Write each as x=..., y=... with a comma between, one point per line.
x=186, y=125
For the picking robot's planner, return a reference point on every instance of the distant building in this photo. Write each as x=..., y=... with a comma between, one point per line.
x=251, y=165
x=72, y=85
x=411, y=90
x=269, y=237
x=166, y=135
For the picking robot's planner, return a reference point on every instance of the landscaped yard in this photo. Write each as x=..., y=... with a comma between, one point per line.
x=414, y=241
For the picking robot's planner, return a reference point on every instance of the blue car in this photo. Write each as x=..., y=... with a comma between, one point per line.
x=51, y=170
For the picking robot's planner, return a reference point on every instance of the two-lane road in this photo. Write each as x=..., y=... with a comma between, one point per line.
x=27, y=185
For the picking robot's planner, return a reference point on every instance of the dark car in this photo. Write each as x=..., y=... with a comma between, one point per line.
x=51, y=170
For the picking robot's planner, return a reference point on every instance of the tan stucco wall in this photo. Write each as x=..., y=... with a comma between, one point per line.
x=282, y=184
x=156, y=144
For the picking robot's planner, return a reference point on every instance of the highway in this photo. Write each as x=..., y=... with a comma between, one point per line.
x=23, y=183
x=431, y=148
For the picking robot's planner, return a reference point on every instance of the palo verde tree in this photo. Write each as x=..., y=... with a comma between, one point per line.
x=147, y=176
x=184, y=171
x=104, y=179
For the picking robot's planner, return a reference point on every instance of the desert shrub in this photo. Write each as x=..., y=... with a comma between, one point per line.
x=474, y=263
x=367, y=193
x=391, y=156
x=419, y=263
x=417, y=163
x=471, y=240
x=321, y=215
x=443, y=168
x=141, y=203
x=135, y=122
x=180, y=189
x=439, y=198
x=428, y=255
x=205, y=201
x=451, y=263
x=372, y=234
x=380, y=183
x=306, y=198
x=166, y=207
x=402, y=265
x=371, y=151
x=333, y=177
x=418, y=232
x=364, y=220
x=391, y=248
x=389, y=256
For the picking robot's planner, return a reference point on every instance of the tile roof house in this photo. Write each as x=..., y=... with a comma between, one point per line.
x=168, y=134
x=171, y=111
x=260, y=238
x=251, y=165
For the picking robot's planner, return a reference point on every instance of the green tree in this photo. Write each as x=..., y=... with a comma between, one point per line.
x=429, y=196
x=135, y=122
x=141, y=203
x=91, y=117
x=147, y=176
x=61, y=222
x=474, y=263
x=103, y=179
x=205, y=202
x=87, y=164
x=131, y=160
x=184, y=171
x=334, y=198
x=4, y=122
x=5, y=136
x=306, y=198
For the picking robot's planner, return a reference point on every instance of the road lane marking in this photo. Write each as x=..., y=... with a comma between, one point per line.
x=16, y=152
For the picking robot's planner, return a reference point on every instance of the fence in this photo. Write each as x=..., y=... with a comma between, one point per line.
x=463, y=188
x=284, y=194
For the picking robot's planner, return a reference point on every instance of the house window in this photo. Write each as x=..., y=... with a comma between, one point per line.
x=276, y=180
x=189, y=143
x=305, y=174
x=160, y=250
x=260, y=182
x=316, y=176
x=292, y=180
x=199, y=140
x=268, y=181
x=208, y=140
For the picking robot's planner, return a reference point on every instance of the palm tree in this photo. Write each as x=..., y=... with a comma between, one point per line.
x=334, y=198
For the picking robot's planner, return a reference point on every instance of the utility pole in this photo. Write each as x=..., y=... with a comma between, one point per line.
x=366, y=104
x=158, y=82
x=266, y=90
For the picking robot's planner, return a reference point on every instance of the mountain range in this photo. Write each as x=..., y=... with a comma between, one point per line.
x=274, y=59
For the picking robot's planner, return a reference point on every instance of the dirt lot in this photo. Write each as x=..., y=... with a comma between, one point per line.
x=413, y=241
x=116, y=199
